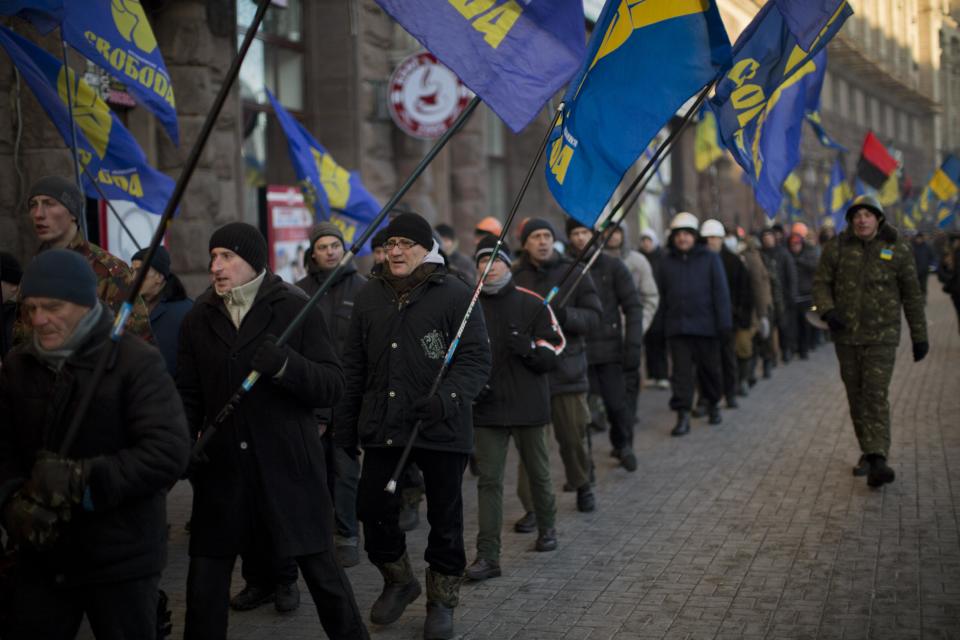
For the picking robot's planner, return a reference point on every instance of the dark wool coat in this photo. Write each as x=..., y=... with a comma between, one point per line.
x=619, y=334
x=336, y=305
x=694, y=294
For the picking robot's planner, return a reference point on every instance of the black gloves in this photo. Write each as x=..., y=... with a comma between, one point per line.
x=519, y=344
x=57, y=483
x=269, y=358
x=29, y=523
x=430, y=410
x=832, y=318
x=920, y=350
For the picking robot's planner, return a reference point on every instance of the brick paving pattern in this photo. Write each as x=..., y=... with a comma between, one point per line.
x=753, y=529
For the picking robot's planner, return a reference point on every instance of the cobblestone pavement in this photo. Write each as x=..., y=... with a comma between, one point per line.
x=754, y=529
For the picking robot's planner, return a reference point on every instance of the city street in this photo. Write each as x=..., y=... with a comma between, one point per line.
x=754, y=529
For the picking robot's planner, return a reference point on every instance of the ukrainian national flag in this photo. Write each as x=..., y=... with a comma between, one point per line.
x=946, y=180
x=947, y=216
x=838, y=195
x=707, y=146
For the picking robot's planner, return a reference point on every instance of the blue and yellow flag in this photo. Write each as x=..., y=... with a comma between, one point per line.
x=334, y=193
x=707, y=145
x=837, y=196
x=816, y=123
x=945, y=182
x=644, y=60
x=45, y=15
x=947, y=215
x=104, y=146
x=791, y=187
x=762, y=100
x=116, y=35
x=514, y=54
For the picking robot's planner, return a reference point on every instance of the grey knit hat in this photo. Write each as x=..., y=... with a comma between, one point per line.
x=324, y=228
x=60, y=189
x=60, y=274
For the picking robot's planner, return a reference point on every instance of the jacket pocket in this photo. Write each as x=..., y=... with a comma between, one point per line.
x=439, y=432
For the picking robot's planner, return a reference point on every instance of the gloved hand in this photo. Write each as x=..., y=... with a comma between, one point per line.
x=28, y=523
x=764, y=328
x=920, y=350
x=519, y=344
x=832, y=318
x=57, y=483
x=631, y=359
x=269, y=358
x=561, y=314
x=429, y=409
x=484, y=393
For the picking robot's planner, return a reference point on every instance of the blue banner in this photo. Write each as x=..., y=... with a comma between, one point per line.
x=644, y=61
x=807, y=18
x=104, y=146
x=116, y=35
x=816, y=123
x=837, y=196
x=763, y=98
x=334, y=193
x=46, y=15
x=514, y=54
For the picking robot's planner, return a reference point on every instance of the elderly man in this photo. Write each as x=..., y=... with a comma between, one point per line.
x=865, y=276
x=55, y=206
x=262, y=486
x=89, y=521
x=403, y=321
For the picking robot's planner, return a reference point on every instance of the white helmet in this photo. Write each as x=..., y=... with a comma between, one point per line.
x=684, y=220
x=712, y=229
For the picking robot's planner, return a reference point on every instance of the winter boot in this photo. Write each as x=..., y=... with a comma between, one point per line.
x=288, y=598
x=628, y=459
x=767, y=368
x=410, y=512
x=863, y=466
x=714, y=412
x=443, y=596
x=253, y=596
x=526, y=524
x=400, y=588
x=879, y=474
x=585, y=500
x=682, y=427
x=732, y=401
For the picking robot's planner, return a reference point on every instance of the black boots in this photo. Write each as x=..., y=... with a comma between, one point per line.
x=546, y=540
x=879, y=474
x=682, y=427
x=443, y=596
x=863, y=466
x=400, y=588
x=628, y=459
x=482, y=569
x=714, y=412
x=526, y=524
x=585, y=499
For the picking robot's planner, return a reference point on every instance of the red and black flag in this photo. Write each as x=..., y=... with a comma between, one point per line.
x=876, y=164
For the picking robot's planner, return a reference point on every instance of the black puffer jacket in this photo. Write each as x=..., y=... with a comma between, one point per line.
x=581, y=316
x=619, y=336
x=518, y=392
x=135, y=433
x=266, y=460
x=394, y=351
x=805, y=265
x=741, y=293
x=336, y=305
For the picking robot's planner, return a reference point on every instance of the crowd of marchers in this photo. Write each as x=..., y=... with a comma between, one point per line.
x=294, y=478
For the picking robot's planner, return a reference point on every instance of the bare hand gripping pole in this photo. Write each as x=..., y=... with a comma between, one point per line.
x=253, y=376
x=165, y=220
x=448, y=358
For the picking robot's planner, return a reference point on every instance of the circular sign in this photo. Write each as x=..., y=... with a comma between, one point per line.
x=425, y=97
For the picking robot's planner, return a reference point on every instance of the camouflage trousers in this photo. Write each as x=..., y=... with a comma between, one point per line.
x=866, y=371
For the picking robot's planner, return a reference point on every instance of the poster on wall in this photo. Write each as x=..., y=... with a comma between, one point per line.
x=140, y=227
x=288, y=231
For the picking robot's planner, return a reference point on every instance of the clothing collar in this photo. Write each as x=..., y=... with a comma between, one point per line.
x=493, y=288
x=239, y=299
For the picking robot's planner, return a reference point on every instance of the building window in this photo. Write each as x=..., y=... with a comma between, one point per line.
x=842, y=103
x=903, y=128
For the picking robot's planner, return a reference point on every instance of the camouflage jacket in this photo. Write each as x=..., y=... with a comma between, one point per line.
x=866, y=283
x=114, y=278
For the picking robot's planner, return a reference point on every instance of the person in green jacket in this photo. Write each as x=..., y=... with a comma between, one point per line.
x=865, y=275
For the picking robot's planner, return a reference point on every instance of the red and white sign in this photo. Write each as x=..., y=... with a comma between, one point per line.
x=289, y=220
x=426, y=97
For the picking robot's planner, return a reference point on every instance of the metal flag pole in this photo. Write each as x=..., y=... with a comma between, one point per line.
x=165, y=220
x=96, y=185
x=72, y=84
x=451, y=350
x=253, y=376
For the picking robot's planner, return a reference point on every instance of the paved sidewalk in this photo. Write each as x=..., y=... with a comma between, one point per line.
x=754, y=529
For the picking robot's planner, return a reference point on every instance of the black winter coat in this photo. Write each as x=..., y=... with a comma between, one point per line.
x=805, y=264
x=655, y=258
x=518, y=392
x=165, y=321
x=394, y=351
x=619, y=335
x=741, y=293
x=694, y=294
x=336, y=305
x=582, y=315
x=780, y=263
x=134, y=432
x=266, y=460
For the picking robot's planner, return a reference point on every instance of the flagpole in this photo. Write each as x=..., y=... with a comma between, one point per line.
x=402, y=462
x=165, y=220
x=299, y=319
x=69, y=84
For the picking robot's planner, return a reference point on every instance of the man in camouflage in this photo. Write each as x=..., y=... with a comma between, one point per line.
x=55, y=206
x=864, y=276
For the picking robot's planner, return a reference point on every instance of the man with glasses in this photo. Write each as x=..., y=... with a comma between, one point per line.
x=403, y=321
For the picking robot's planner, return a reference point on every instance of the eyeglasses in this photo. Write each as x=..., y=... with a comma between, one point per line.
x=403, y=243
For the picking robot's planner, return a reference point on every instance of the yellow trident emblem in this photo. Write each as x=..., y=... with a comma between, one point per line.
x=89, y=111
x=637, y=14
x=334, y=178
x=131, y=21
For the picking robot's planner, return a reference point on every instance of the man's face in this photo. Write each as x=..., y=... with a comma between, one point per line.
x=229, y=270
x=646, y=244
x=579, y=237
x=152, y=284
x=8, y=290
x=404, y=255
x=616, y=239
x=379, y=255
x=497, y=270
x=769, y=240
x=539, y=245
x=448, y=245
x=53, y=321
x=327, y=252
x=683, y=240
x=715, y=244
x=865, y=223
x=52, y=221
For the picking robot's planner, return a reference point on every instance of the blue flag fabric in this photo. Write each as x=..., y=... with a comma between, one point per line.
x=806, y=18
x=104, y=146
x=947, y=216
x=762, y=100
x=116, y=35
x=837, y=196
x=334, y=193
x=45, y=15
x=514, y=54
x=644, y=60
x=816, y=123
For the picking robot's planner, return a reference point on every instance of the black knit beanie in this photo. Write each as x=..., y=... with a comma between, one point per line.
x=10, y=270
x=60, y=274
x=244, y=240
x=60, y=189
x=160, y=262
x=485, y=248
x=535, y=224
x=413, y=227
x=573, y=223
